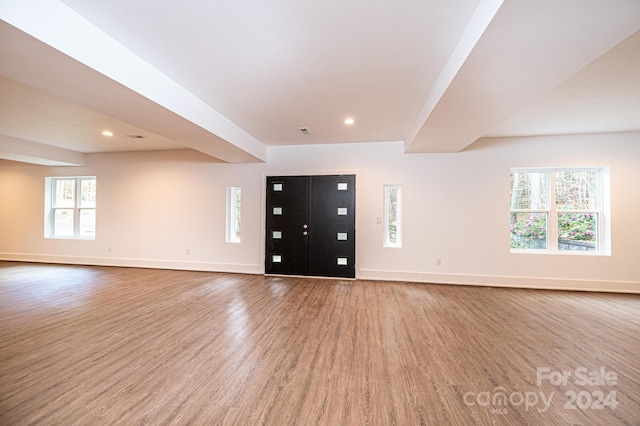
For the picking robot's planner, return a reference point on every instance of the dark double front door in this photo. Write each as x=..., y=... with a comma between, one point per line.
x=311, y=225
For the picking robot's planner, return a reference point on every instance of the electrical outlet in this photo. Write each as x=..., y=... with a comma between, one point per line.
x=109, y=249
x=188, y=252
x=438, y=261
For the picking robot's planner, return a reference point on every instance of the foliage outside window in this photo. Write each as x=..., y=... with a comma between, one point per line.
x=234, y=214
x=70, y=207
x=392, y=216
x=556, y=210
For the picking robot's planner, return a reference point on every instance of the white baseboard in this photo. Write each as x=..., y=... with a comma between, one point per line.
x=362, y=274
x=503, y=281
x=134, y=263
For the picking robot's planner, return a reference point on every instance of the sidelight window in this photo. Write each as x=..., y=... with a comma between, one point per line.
x=234, y=213
x=392, y=216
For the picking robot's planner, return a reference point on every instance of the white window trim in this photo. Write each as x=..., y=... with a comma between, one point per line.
x=603, y=247
x=233, y=219
x=50, y=193
x=386, y=242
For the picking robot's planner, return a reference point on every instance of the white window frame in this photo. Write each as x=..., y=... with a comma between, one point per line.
x=387, y=219
x=603, y=238
x=50, y=208
x=234, y=214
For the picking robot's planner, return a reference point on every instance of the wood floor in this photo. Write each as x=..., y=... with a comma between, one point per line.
x=93, y=346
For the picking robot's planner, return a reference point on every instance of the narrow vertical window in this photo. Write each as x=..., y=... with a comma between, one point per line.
x=234, y=213
x=392, y=216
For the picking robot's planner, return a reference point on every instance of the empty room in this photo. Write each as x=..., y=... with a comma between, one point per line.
x=271, y=212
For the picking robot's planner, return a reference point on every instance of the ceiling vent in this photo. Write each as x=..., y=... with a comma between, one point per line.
x=304, y=130
x=136, y=136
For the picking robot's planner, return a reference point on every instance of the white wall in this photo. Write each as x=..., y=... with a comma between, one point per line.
x=152, y=207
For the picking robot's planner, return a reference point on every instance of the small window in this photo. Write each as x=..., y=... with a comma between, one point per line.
x=558, y=210
x=234, y=213
x=392, y=216
x=70, y=207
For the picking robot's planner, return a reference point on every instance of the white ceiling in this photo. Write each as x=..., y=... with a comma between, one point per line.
x=231, y=78
x=603, y=97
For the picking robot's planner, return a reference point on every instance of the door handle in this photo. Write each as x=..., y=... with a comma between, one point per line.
x=305, y=226
x=305, y=233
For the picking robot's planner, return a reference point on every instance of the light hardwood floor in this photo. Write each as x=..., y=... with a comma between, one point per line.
x=96, y=345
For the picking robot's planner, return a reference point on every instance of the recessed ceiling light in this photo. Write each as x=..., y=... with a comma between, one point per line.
x=107, y=133
x=349, y=121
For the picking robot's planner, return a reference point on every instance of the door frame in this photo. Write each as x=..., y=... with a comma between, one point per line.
x=263, y=211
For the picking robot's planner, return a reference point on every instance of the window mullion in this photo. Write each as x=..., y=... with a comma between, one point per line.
x=52, y=212
x=600, y=212
x=552, y=235
x=76, y=209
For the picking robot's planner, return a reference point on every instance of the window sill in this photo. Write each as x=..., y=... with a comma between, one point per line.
x=560, y=253
x=71, y=238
